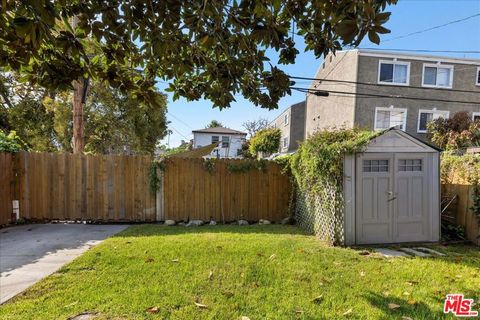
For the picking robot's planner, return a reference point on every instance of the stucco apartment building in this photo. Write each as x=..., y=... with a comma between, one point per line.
x=291, y=123
x=378, y=90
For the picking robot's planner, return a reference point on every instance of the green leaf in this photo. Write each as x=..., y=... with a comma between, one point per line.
x=373, y=37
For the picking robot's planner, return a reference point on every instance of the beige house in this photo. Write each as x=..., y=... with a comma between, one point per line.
x=291, y=123
x=380, y=90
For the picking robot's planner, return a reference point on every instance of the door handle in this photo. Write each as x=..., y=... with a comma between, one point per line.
x=391, y=193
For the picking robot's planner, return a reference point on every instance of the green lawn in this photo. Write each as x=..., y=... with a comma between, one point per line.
x=261, y=272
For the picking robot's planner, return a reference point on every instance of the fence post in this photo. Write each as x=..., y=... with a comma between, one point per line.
x=160, y=197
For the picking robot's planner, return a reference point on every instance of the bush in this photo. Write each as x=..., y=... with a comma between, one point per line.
x=266, y=140
x=457, y=132
x=11, y=142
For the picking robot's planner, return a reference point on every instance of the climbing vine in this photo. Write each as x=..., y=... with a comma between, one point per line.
x=466, y=167
x=246, y=166
x=317, y=168
x=154, y=181
x=209, y=164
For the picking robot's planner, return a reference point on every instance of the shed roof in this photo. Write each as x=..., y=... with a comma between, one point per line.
x=396, y=140
x=219, y=130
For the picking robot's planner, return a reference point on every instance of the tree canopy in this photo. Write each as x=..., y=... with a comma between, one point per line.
x=266, y=140
x=214, y=124
x=115, y=123
x=205, y=49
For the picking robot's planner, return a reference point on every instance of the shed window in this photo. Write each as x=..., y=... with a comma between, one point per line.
x=393, y=72
x=410, y=165
x=225, y=141
x=375, y=165
x=437, y=76
x=426, y=116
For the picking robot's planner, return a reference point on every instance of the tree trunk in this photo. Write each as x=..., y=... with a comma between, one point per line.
x=78, y=132
x=78, y=92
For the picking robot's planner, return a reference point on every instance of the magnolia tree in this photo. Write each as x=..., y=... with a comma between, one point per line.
x=204, y=49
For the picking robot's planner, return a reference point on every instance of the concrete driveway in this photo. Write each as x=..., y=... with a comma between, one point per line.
x=29, y=253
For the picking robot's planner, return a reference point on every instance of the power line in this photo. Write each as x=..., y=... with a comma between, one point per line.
x=179, y=120
x=179, y=132
x=307, y=90
x=379, y=85
x=424, y=50
x=432, y=28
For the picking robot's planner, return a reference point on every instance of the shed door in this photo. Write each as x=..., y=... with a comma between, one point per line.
x=392, y=193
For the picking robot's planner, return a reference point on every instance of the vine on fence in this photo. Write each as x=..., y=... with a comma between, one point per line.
x=317, y=168
x=243, y=167
x=209, y=164
x=154, y=181
x=466, y=166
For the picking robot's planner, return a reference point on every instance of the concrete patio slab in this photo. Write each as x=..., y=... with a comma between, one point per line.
x=391, y=253
x=429, y=251
x=414, y=252
x=29, y=253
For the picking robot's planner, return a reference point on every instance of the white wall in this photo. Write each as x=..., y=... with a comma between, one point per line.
x=204, y=139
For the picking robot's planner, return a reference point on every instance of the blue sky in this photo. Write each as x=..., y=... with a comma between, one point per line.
x=407, y=16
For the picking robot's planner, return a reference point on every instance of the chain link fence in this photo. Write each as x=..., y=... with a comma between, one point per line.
x=321, y=213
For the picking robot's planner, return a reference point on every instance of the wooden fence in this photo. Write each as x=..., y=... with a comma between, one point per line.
x=116, y=188
x=461, y=208
x=192, y=191
x=7, y=188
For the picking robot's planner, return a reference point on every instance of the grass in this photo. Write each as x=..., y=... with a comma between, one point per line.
x=262, y=272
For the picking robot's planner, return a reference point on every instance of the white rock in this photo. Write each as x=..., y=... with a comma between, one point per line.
x=263, y=221
x=195, y=223
x=242, y=222
x=170, y=222
x=287, y=220
x=212, y=223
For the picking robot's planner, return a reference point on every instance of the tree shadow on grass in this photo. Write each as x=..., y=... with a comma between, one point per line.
x=147, y=230
x=396, y=308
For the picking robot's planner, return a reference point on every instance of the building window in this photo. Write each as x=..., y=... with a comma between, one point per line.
x=285, y=119
x=438, y=76
x=375, y=165
x=476, y=116
x=410, y=165
x=425, y=116
x=215, y=139
x=394, y=72
x=478, y=77
x=285, y=142
x=386, y=118
x=225, y=141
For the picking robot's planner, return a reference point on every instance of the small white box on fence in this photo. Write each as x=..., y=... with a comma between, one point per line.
x=16, y=209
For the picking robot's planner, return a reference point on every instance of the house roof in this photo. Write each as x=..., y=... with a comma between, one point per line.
x=196, y=153
x=415, y=56
x=219, y=130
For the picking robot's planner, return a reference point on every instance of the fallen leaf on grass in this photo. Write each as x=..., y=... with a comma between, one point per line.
x=347, y=312
x=273, y=256
x=406, y=318
x=318, y=299
x=244, y=318
x=201, y=306
x=406, y=293
x=210, y=275
x=299, y=311
x=364, y=253
x=362, y=274
x=393, y=306
x=412, y=283
x=153, y=310
x=412, y=302
x=148, y=260
x=175, y=260
x=227, y=294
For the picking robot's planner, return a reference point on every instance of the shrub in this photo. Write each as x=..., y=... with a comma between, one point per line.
x=266, y=140
x=457, y=132
x=11, y=142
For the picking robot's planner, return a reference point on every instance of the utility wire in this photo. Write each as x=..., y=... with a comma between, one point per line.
x=432, y=28
x=179, y=120
x=307, y=90
x=423, y=50
x=378, y=85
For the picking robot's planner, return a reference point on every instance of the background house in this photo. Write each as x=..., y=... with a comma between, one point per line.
x=368, y=88
x=291, y=123
x=229, y=141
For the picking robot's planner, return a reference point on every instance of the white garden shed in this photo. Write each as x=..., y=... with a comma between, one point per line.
x=392, y=191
